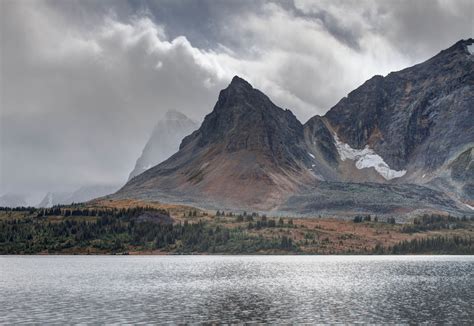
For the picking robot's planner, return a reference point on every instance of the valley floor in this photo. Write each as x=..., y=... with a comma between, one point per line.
x=134, y=227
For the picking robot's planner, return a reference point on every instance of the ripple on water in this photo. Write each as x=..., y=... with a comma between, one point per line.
x=186, y=289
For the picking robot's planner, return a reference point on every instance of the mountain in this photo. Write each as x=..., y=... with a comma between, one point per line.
x=415, y=119
x=54, y=198
x=164, y=140
x=399, y=140
x=398, y=144
x=80, y=195
x=248, y=152
x=12, y=200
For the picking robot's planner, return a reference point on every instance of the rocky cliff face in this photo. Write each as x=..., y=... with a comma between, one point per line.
x=397, y=144
x=415, y=119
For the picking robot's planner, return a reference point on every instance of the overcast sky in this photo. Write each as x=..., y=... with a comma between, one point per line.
x=83, y=82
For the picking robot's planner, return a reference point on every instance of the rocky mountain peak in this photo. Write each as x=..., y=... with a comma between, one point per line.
x=238, y=82
x=246, y=119
x=240, y=92
x=453, y=60
x=460, y=46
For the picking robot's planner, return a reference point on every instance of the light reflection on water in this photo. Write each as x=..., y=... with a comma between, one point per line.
x=271, y=289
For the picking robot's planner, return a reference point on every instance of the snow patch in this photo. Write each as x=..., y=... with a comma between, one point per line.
x=470, y=48
x=311, y=155
x=469, y=206
x=367, y=158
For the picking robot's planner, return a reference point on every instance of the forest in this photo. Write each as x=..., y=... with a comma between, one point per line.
x=78, y=229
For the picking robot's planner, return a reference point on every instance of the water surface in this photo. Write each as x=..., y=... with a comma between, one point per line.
x=272, y=289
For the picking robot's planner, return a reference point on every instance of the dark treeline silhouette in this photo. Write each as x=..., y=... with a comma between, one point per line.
x=66, y=211
x=18, y=209
x=81, y=229
x=434, y=222
x=264, y=222
x=449, y=245
x=121, y=230
x=368, y=218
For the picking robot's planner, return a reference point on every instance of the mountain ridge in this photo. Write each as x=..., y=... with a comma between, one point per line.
x=404, y=128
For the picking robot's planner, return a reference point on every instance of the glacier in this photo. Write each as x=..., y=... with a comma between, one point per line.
x=366, y=158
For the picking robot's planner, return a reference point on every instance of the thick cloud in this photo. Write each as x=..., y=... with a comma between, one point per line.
x=77, y=105
x=83, y=82
x=416, y=28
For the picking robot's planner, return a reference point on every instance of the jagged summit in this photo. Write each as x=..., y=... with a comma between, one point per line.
x=241, y=92
x=246, y=119
x=460, y=45
x=239, y=82
x=455, y=55
x=467, y=41
x=237, y=90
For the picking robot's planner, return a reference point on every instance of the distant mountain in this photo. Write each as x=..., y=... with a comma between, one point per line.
x=81, y=195
x=12, y=200
x=396, y=145
x=54, y=198
x=164, y=140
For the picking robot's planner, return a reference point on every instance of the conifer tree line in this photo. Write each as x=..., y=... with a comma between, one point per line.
x=449, y=245
x=112, y=230
x=118, y=230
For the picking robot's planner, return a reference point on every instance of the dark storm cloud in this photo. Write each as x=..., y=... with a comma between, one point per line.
x=418, y=28
x=83, y=82
x=200, y=21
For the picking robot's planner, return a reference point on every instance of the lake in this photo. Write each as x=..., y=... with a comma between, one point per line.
x=233, y=289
